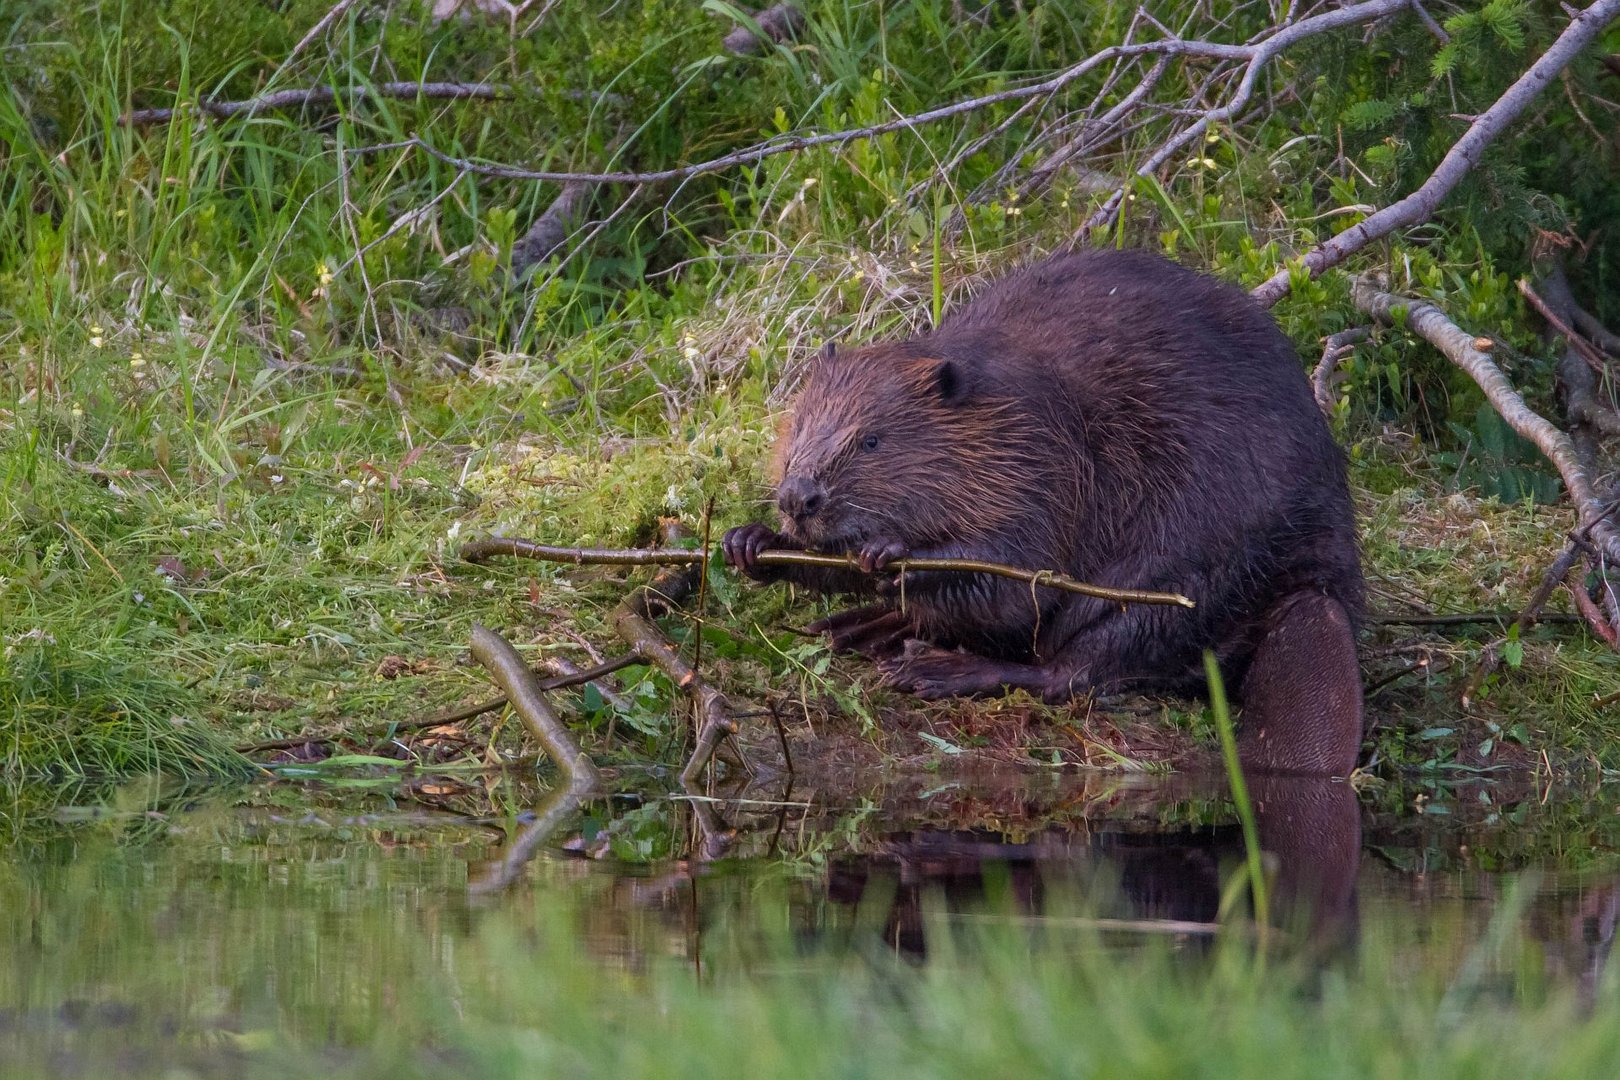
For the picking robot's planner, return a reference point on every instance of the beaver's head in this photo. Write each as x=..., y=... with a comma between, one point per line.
x=896, y=441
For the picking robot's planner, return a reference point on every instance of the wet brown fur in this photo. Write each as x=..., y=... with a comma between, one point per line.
x=1122, y=419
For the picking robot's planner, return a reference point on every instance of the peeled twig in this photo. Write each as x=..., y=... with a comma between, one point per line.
x=522, y=689
x=1464, y=154
x=478, y=551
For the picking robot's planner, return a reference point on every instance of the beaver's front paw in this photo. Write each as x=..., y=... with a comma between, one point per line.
x=932, y=673
x=742, y=546
x=874, y=555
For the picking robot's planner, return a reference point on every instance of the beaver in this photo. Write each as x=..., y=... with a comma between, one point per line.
x=1120, y=418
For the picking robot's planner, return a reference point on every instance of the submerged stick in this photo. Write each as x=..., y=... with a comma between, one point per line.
x=522, y=689
x=478, y=551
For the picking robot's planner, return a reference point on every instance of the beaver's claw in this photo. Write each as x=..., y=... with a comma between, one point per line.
x=742, y=545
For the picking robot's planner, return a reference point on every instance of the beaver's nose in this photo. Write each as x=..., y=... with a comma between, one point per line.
x=799, y=497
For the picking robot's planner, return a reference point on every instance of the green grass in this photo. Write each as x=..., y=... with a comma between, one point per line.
x=236, y=460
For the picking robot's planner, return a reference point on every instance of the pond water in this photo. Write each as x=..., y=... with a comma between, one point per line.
x=171, y=931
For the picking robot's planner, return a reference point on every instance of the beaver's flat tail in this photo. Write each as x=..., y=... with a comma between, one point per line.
x=1302, y=704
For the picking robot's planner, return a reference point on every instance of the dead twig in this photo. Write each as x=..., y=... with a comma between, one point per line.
x=1334, y=349
x=478, y=551
x=523, y=691
x=1464, y=154
x=566, y=675
x=633, y=620
x=1255, y=57
x=1459, y=347
x=1256, y=54
x=322, y=96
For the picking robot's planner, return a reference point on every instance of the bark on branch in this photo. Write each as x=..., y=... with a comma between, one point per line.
x=478, y=551
x=1458, y=346
x=1421, y=205
x=522, y=689
x=633, y=620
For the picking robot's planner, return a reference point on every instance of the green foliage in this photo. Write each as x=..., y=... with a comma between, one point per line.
x=264, y=383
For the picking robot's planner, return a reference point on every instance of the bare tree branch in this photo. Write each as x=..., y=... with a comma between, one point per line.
x=522, y=690
x=323, y=96
x=1458, y=346
x=1334, y=349
x=1255, y=55
x=1459, y=160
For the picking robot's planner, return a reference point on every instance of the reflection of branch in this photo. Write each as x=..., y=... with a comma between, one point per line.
x=1464, y=154
x=549, y=816
x=478, y=551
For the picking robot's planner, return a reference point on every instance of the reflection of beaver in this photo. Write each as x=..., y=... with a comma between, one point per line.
x=1122, y=419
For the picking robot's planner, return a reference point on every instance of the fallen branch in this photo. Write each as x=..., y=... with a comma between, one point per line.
x=1256, y=54
x=522, y=689
x=321, y=96
x=559, y=681
x=478, y=551
x=1458, y=346
x=1470, y=618
x=1578, y=368
x=633, y=620
x=551, y=230
x=772, y=26
x=1334, y=350
x=1421, y=205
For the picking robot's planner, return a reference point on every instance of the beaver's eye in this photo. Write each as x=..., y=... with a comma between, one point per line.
x=869, y=443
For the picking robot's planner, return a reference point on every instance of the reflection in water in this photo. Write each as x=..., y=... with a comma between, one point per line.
x=327, y=912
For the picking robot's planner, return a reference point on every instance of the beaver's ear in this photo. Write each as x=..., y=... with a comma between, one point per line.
x=950, y=382
x=828, y=352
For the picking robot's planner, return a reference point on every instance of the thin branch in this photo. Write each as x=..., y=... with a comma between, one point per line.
x=1458, y=346
x=522, y=689
x=478, y=551
x=1469, y=618
x=563, y=679
x=1255, y=54
x=1334, y=349
x=1588, y=352
x=1421, y=205
x=325, y=23
x=633, y=620
x=322, y=96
